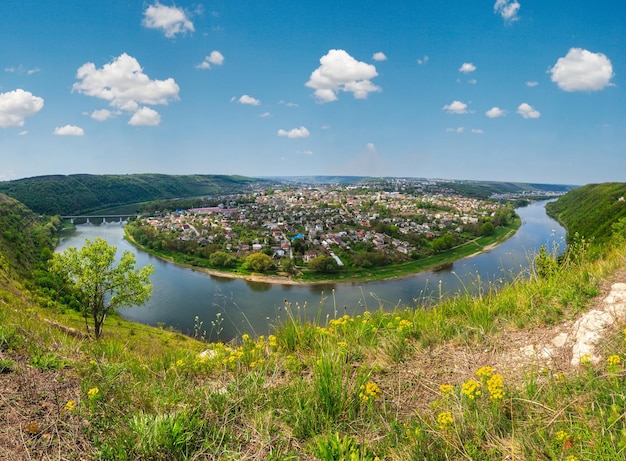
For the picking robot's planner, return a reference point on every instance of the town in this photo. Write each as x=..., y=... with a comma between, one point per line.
x=324, y=227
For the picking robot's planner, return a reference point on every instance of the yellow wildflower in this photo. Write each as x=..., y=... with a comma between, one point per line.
x=369, y=391
x=180, y=363
x=471, y=389
x=571, y=458
x=613, y=360
x=484, y=372
x=342, y=344
x=445, y=420
x=585, y=359
x=561, y=436
x=93, y=392
x=446, y=390
x=70, y=406
x=495, y=386
x=245, y=337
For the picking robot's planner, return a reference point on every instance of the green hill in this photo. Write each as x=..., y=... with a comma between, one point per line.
x=591, y=210
x=81, y=193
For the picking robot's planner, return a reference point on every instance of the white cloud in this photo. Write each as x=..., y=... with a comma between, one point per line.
x=265, y=115
x=23, y=133
x=16, y=105
x=477, y=131
x=582, y=70
x=249, y=100
x=423, y=60
x=21, y=70
x=495, y=112
x=305, y=152
x=294, y=133
x=507, y=9
x=170, y=20
x=459, y=129
x=528, y=111
x=145, y=117
x=379, y=56
x=69, y=130
x=467, y=67
x=472, y=81
x=101, y=115
x=532, y=84
x=123, y=83
x=215, y=58
x=456, y=107
x=341, y=72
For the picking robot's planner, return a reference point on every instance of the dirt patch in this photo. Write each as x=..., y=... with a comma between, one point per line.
x=34, y=423
x=515, y=354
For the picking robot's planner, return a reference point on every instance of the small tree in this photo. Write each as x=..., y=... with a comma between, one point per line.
x=258, y=262
x=102, y=285
x=324, y=264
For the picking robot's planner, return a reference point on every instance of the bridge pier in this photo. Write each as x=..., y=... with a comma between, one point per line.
x=88, y=221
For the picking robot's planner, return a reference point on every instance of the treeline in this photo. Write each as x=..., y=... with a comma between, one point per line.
x=82, y=193
x=591, y=211
x=485, y=189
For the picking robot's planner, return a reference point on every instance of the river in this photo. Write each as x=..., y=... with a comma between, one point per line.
x=230, y=307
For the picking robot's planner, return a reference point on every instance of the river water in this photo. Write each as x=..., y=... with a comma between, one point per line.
x=180, y=294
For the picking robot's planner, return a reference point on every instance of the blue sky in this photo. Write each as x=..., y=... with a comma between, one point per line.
x=505, y=90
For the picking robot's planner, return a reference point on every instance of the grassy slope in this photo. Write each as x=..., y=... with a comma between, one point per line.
x=366, y=387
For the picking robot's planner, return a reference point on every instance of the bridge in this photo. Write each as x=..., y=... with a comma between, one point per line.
x=103, y=218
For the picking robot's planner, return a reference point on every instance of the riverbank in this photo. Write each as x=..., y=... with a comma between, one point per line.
x=353, y=275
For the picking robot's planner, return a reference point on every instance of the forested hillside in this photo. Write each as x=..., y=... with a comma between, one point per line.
x=485, y=189
x=25, y=238
x=82, y=193
x=591, y=210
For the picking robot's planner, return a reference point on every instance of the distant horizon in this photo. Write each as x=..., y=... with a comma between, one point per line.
x=519, y=90
x=278, y=177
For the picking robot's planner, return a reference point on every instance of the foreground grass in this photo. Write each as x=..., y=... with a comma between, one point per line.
x=353, y=388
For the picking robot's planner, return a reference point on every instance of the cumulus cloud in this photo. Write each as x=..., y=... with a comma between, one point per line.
x=249, y=100
x=456, y=107
x=69, y=130
x=145, y=117
x=341, y=72
x=495, y=112
x=294, y=133
x=380, y=56
x=101, y=115
x=528, y=111
x=169, y=19
x=215, y=58
x=423, y=60
x=467, y=67
x=507, y=9
x=532, y=84
x=582, y=70
x=16, y=105
x=123, y=83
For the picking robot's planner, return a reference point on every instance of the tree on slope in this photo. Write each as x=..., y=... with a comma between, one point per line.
x=102, y=284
